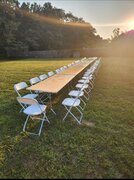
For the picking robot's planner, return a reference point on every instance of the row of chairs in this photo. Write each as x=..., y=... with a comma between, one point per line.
x=80, y=95
x=30, y=106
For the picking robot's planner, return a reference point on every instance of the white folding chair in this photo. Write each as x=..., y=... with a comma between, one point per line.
x=32, y=111
x=69, y=65
x=51, y=73
x=22, y=86
x=79, y=94
x=57, y=71
x=70, y=103
x=84, y=87
x=65, y=67
x=43, y=77
x=34, y=80
x=41, y=97
x=62, y=68
x=87, y=80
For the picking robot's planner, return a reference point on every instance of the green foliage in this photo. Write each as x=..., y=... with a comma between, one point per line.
x=8, y=27
x=43, y=27
x=102, y=147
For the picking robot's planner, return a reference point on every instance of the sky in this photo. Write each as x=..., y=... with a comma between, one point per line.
x=104, y=15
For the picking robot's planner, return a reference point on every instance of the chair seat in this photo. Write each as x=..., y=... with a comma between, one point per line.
x=87, y=73
x=89, y=78
x=71, y=102
x=76, y=93
x=83, y=86
x=35, y=109
x=31, y=96
x=83, y=81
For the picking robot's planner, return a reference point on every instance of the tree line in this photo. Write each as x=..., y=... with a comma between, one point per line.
x=43, y=27
x=122, y=43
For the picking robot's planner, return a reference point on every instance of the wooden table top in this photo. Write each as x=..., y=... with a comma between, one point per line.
x=56, y=82
x=76, y=69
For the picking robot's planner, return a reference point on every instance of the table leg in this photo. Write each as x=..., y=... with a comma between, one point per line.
x=51, y=104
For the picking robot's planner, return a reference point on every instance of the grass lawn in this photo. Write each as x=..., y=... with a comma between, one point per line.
x=102, y=147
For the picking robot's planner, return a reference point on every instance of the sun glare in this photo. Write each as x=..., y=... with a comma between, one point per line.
x=132, y=24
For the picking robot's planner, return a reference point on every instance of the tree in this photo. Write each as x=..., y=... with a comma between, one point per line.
x=8, y=27
x=12, y=3
x=25, y=6
x=116, y=33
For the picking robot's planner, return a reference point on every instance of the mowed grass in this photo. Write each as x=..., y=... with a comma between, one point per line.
x=102, y=147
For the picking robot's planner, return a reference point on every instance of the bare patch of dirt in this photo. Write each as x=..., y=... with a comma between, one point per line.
x=88, y=123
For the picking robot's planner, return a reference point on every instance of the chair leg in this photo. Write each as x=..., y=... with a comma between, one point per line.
x=69, y=112
x=53, y=111
x=66, y=113
x=87, y=94
x=84, y=104
x=91, y=84
x=51, y=105
x=23, y=107
x=41, y=119
x=41, y=127
x=24, y=127
x=46, y=118
x=80, y=113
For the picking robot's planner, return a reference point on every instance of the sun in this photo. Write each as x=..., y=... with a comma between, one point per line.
x=132, y=24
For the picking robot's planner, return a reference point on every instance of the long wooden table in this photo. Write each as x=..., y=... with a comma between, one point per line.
x=56, y=82
x=76, y=69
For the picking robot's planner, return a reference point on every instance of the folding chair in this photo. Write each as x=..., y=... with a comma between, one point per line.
x=65, y=67
x=22, y=86
x=88, y=80
x=62, y=68
x=43, y=77
x=34, y=109
x=51, y=73
x=70, y=103
x=37, y=80
x=69, y=65
x=34, y=80
x=79, y=94
x=57, y=71
x=85, y=86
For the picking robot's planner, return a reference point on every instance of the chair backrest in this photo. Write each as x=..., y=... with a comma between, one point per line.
x=27, y=101
x=69, y=65
x=62, y=68
x=51, y=73
x=65, y=67
x=57, y=70
x=77, y=97
x=34, y=80
x=43, y=76
x=20, y=86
